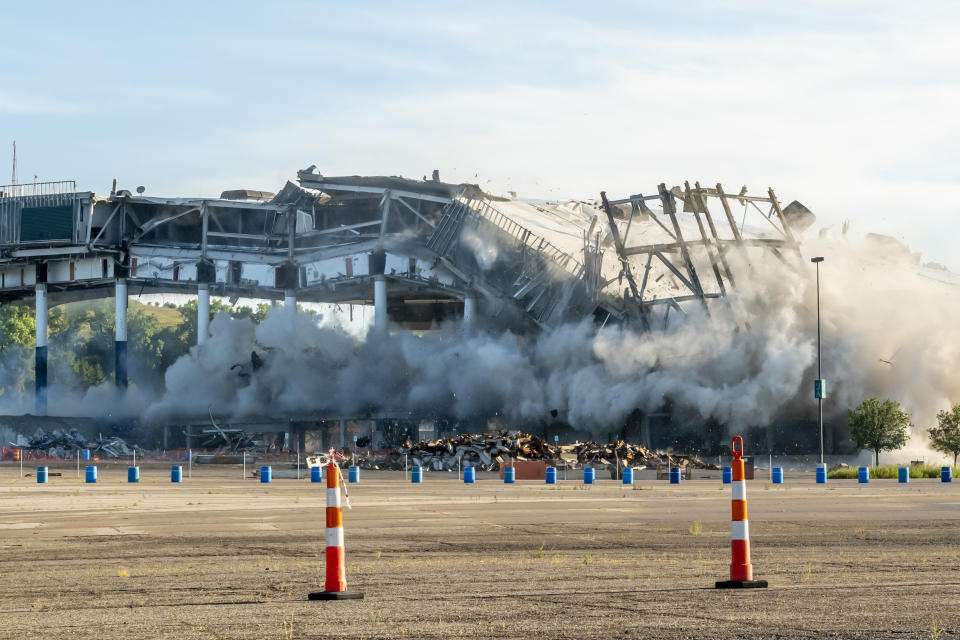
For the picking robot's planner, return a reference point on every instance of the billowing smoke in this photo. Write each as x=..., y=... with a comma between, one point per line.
x=889, y=329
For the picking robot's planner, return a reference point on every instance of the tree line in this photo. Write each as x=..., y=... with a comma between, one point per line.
x=81, y=341
x=877, y=426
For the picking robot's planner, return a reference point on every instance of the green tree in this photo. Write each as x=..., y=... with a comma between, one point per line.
x=945, y=437
x=17, y=342
x=17, y=326
x=879, y=426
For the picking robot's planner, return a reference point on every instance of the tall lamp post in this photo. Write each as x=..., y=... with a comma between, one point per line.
x=819, y=386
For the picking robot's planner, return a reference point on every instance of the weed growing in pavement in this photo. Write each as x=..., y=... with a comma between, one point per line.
x=696, y=528
x=587, y=558
x=379, y=553
x=935, y=631
x=122, y=572
x=540, y=550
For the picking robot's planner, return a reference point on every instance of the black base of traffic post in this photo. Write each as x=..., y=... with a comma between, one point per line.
x=742, y=584
x=337, y=595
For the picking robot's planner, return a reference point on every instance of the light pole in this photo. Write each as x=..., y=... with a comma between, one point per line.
x=819, y=388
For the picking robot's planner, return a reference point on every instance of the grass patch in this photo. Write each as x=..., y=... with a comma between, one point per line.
x=696, y=528
x=889, y=472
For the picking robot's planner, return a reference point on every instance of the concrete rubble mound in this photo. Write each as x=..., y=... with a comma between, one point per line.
x=65, y=444
x=488, y=452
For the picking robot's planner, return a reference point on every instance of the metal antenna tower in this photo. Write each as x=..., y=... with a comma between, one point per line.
x=13, y=179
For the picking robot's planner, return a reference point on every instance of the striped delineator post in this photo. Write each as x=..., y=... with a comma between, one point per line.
x=741, y=571
x=335, y=587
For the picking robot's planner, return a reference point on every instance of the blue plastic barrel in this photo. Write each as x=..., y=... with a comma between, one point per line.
x=863, y=475
x=353, y=475
x=85, y=454
x=266, y=474
x=133, y=474
x=42, y=473
x=822, y=474
x=727, y=474
x=903, y=474
x=675, y=475
x=776, y=475
x=627, y=475
x=509, y=475
x=176, y=473
x=316, y=474
x=416, y=475
x=468, y=475
x=91, y=474
x=589, y=474
x=551, y=475
x=946, y=474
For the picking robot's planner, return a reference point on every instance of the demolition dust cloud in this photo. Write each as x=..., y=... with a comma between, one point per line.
x=889, y=329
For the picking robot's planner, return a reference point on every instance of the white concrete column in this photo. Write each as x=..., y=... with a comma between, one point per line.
x=121, y=310
x=120, y=334
x=380, y=304
x=40, y=371
x=41, y=315
x=203, y=312
x=469, y=313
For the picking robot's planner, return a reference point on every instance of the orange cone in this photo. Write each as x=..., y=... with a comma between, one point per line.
x=336, y=584
x=741, y=570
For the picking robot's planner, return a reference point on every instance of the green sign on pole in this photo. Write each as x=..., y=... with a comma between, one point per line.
x=820, y=388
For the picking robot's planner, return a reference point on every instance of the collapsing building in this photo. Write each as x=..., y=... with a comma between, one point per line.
x=420, y=251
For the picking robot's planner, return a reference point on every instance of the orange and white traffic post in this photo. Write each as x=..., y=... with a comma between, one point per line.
x=741, y=571
x=336, y=584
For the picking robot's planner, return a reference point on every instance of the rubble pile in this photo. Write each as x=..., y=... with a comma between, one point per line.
x=631, y=455
x=64, y=444
x=490, y=451
x=227, y=440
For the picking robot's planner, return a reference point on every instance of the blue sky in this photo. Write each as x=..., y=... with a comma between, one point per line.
x=852, y=108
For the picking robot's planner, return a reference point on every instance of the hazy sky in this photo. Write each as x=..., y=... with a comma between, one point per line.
x=852, y=108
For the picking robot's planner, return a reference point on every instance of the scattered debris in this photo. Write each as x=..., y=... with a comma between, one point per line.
x=226, y=440
x=489, y=451
x=65, y=444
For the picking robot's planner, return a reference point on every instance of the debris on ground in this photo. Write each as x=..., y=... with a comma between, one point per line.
x=227, y=440
x=488, y=452
x=65, y=444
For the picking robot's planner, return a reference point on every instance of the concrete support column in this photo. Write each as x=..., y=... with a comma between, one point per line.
x=203, y=312
x=469, y=313
x=380, y=304
x=40, y=372
x=120, y=335
x=290, y=301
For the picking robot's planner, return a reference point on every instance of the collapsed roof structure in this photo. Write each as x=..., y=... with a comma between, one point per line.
x=435, y=244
